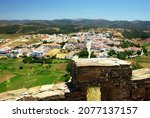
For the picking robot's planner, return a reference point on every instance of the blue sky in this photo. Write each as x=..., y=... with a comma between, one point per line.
x=74, y=9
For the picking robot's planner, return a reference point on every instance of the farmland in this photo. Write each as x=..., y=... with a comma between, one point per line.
x=14, y=74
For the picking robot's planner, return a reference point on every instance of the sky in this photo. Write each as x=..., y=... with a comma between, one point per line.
x=75, y=9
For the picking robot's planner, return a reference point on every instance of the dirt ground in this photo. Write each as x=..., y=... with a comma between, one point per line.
x=4, y=78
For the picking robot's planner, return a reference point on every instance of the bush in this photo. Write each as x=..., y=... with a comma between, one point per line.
x=122, y=55
x=92, y=55
x=139, y=52
x=136, y=65
x=20, y=67
x=111, y=53
x=126, y=44
x=144, y=50
x=83, y=53
x=36, y=60
x=68, y=67
x=27, y=60
x=129, y=52
x=67, y=77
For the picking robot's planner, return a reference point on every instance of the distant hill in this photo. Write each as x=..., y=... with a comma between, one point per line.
x=36, y=26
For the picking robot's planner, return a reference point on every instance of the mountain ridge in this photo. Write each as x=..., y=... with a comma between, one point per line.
x=136, y=24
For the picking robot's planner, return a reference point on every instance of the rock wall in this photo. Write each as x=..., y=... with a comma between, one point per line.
x=114, y=77
x=141, y=84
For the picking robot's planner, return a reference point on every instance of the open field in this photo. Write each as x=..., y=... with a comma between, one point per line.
x=9, y=36
x=144, y=61
x=14, y=74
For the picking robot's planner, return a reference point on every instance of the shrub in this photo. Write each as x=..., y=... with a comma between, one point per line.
x=68, y=67
x=111, y=53
x=136, y=65
x=20, y=67
x=83, y=53
x=67, y=77
x=144, y=50
x=36, y=60
x=122, y=55
x=124, y=44
x=138, y=52
x=129, y=52
x=92, y=55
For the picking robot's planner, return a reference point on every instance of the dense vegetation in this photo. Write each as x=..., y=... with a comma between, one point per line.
x=12, y=29
x=69, y=26
x=136, y=34
x=126, y=44
x=37, y=60
x=142, y=25
x=40, y=29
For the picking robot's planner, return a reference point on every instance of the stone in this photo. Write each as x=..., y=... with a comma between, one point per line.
x=46, y=87
x=147, y=94
x=25, y=94
x=89, y=71
x=138, y=93
x=12, y=95
x=34, y=90
x=141, y=74
x=120, y=94
x=48, y=94
x=27, y=98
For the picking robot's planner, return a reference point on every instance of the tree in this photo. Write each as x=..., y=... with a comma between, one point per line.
x=135, y=34
x=27, y=60
x=124, y=44
x=66, y=77
x=111, y=53
x=83, y=53
x=138, y=52
x=9, y=29
x=135, y=65
x=122, y=55
x=20, y=67
x=44, y=42
x=144, y=50
x=68, y=67
x=62, y=44
x=92, y=55
x=36, y=60
x=129, y=52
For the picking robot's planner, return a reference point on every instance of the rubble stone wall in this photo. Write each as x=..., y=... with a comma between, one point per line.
x=116, y=81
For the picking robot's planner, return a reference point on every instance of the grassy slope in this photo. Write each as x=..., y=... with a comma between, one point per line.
x=31, y=74
x=144, y=61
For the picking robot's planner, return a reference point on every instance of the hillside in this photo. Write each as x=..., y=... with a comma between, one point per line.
x=66, y=25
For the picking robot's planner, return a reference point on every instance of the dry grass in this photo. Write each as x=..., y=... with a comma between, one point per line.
x=59, y=66
x=53, y=52
x=5, y=78
x=29, y=41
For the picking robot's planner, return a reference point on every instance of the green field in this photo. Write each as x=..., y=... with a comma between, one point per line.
x=14, y=74
x=143, y=60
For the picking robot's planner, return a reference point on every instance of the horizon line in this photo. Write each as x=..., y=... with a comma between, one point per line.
x=70, y=19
